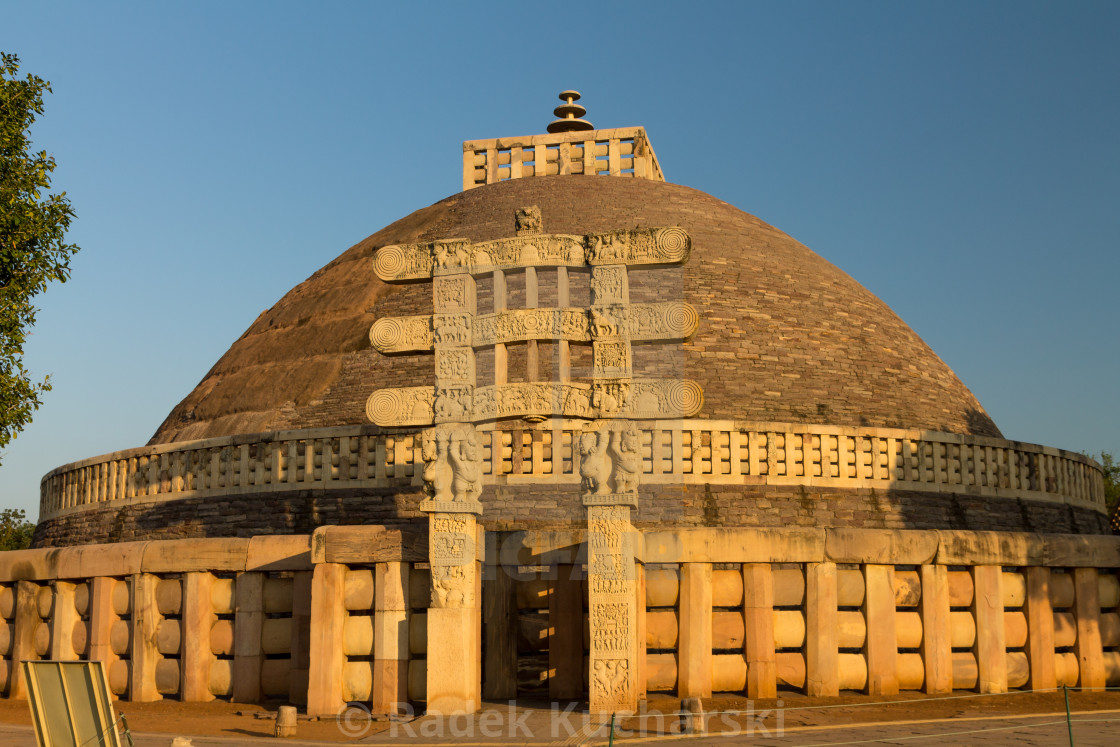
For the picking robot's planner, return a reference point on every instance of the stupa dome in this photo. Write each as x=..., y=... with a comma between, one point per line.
x=784, y=335
x=510, y=336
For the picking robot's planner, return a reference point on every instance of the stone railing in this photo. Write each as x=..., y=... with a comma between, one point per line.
x=820, y=611
x=623, y=151
x=739, y=610
x=199, y=619
x=678, y=451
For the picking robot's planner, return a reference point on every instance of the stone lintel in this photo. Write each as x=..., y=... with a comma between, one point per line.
x=646, y=246
x=663, y=321
x=645, y=399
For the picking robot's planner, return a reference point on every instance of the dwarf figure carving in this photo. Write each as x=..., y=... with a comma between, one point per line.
x=449, y=586
x=627, y=458
x=466, y=463
x=595, y=465
x=437, y=470
x=452, y=462
x=611, y=458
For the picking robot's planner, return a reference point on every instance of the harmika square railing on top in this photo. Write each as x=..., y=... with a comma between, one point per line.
x=677, y=451
x=623, y=151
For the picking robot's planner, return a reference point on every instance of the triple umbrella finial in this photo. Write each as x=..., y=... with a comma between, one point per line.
x=569, y=114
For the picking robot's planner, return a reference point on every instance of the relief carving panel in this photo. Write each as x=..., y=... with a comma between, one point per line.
x=609, y=285
x=452, y=555
x=639, y=322
x=649, y=246
x=454, y=293
x=612, y=591
x=607, y=398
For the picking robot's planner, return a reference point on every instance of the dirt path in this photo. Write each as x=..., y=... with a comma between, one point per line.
x=231, y=720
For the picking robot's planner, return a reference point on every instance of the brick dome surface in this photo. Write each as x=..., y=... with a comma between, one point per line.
x=784, y=335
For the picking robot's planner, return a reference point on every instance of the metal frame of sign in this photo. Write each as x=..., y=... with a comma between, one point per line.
x=70, y=703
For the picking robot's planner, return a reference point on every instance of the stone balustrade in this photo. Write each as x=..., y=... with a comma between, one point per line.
x=622, y=151
x=679, y=451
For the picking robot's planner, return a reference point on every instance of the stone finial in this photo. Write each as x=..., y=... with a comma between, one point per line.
x=569, y=114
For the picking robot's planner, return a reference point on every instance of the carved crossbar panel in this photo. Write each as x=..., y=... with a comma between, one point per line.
x=639, y=322
x=605, y=398
x=650, y=246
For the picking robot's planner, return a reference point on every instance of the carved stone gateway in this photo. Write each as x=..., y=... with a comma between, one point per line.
x=455, y=330
x=608, y=450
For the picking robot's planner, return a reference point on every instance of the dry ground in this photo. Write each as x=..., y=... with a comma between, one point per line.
x=221, y=718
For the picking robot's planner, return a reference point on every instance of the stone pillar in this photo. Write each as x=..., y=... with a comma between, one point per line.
x=880, y=645
x=609, y=465
x=937, y=639
x=328, y=622
x=1087, y=606
x=23, y=636
x=613, y=603
x=822, y=655
x=564, y=353
x=144, y=651
x=195, y=651
x=454, y=618
x=990, y=648
x=452, y=453
x=1040, y=630
x=63, y=617
x=694, y=649
x=390, y=637
x=301, y=637
x=640, y=574
x=758, y=639
x=101, y=619
x=247, y=623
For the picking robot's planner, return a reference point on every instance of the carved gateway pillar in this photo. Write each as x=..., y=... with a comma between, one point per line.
x=452, y=461
x=610, y=462
x=601, y=410
x=452, y=453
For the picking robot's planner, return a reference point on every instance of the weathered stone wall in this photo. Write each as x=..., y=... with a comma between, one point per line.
x=512, y=508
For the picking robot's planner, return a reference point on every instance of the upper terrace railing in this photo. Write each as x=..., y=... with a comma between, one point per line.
x=677, y=451
x=623, y=151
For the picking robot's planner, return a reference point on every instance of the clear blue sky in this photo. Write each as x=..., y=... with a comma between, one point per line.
x=961, y=160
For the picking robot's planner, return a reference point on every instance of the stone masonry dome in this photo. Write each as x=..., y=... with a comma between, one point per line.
x=784, y=336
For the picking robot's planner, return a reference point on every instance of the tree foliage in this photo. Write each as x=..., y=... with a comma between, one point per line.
x=15, y=532
x=33, y=251
x=1111, y=469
